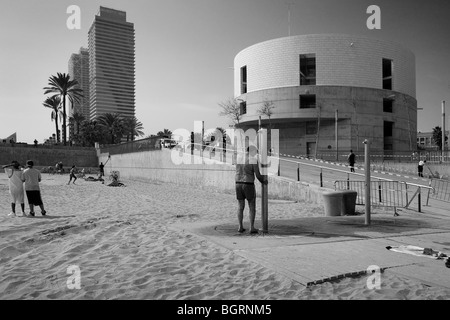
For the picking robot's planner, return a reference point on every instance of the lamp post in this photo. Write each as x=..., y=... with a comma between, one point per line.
x=443, y=131
x=367, y=180
x=336, y=135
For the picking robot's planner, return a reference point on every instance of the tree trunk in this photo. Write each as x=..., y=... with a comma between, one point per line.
x=57, y=130
x=64, y=120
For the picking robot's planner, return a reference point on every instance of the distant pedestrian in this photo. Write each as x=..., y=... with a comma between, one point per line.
x=15, y=176
x=351, y=161
x=102, y=169
x=72, y=174
x=246, y=170
x=420, y=168
x=35, y=143
x=32, y=177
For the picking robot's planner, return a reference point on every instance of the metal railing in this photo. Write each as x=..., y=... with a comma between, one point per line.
x=441, y=190
x=394, y=194
x=147, y=144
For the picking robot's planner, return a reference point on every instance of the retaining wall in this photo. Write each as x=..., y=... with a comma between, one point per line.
x=48, y=156
x=158, y=166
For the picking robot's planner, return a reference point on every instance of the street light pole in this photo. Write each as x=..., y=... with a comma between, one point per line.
x=367, y=180
x=443, y=130
x=336, y=136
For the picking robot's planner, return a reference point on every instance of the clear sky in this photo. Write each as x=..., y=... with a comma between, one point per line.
x=185, y=51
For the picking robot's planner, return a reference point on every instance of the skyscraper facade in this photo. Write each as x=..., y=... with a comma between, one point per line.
x=79, y=70
x=111, y=64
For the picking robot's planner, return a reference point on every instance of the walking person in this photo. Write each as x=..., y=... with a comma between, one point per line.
x=32, y=177
x=15, y=176
x=102, y=170
x=351, y=161
x=246, y=170
x=72, y=174
x=420, y=168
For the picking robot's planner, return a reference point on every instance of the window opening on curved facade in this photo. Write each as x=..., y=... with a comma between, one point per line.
x=243, y=107
x=307, y=101
x=387, y=74
x=244, y=79
x=307, y=69
x=388, y=105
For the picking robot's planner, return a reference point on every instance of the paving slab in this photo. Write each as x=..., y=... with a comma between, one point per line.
x=317, y=249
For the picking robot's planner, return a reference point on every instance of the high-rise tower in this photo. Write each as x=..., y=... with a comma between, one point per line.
x=111, y=64
x=79, y=70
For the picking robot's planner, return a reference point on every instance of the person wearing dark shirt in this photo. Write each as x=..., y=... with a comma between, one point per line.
x=102, y=171
x=351, y=161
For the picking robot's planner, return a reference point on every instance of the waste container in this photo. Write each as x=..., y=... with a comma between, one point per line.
x=348, y=202
x=333, y=203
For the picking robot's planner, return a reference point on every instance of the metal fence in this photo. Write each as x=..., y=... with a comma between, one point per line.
x=394, y=194
x=441, y=190
x=147, y=144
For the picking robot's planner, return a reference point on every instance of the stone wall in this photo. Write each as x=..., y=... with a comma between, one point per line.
x=44, y=156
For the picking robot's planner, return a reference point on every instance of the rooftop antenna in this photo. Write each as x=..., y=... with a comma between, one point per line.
x=289, y=4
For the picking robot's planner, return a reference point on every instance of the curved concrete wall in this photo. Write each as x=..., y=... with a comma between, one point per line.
x=341, y=60
x=349, y=80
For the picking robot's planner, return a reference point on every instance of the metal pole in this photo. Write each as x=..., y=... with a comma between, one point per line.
x=336, y=136
x=443, y=130
x=367, y=180
x=264, y=187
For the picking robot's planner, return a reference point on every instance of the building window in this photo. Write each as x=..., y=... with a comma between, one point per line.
x=307, y=69
x=388, y=128
x=388, y=105
x=243, y=107
x=244, y=79
x=307, y=101
x=311, y=127
x=387, y=74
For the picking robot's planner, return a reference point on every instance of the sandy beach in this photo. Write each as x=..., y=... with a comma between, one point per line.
x=121, y=241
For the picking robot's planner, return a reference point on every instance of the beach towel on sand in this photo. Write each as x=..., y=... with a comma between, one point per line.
x=421, y=252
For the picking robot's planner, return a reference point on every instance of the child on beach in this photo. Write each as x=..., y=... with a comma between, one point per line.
x=15, y=186
x=72, y=175
x=32, y=177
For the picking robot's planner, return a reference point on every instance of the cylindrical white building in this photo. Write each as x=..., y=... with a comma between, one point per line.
x=318, y=85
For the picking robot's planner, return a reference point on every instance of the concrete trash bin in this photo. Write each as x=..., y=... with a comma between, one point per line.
x=348, y=202
x=332, y=203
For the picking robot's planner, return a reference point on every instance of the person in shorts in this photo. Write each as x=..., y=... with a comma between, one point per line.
x=15, y=186
x=32, y=177
x=72, y=174
x=246, y=170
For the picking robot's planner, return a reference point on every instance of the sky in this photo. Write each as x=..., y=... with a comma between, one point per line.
x=185, y=52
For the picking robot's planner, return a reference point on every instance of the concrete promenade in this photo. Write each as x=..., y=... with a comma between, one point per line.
x=319, y=249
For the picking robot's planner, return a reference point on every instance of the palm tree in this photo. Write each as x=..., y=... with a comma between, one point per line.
x=132, y=128
x=54, y=103
x=77, y=118
x=437, y=137
x=113, y=123
x=62, y=86
x=166, y=133
x=74, y=124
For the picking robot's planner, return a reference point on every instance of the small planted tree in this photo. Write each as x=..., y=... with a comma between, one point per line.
x=266, y=109
x=231, y=109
